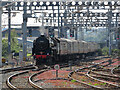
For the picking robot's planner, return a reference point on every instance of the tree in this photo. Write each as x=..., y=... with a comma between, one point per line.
x=14, y=43
x=4, y=47
x=99, y=36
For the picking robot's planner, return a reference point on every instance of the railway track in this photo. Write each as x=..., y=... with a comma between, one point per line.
x=105, y=78
x=17, y=69
x=105, y=71
x=15, y=84
x=31, y=82
x=20, y=80
x=43, y=83
x=116, y=71
x=82, y=76
x=24, y=79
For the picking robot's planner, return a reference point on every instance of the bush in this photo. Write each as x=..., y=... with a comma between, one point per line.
x=105, y=51
x=115, y=52
x=14, y=44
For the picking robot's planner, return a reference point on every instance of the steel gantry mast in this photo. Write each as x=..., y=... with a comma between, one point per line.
x=0, y=34
x=9, y=34
x=109, y=27
x=58, y=20
x=24, y=28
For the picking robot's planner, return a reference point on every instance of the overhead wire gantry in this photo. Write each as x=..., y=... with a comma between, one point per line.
x=72, y=15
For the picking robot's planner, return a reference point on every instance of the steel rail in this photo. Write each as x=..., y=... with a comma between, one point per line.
x=92, y=71
x=112, y=70
x=101, y=80
x=18, y=69
x=92, y=86
x=31, y=82
x=88, y=67
x=10, y=85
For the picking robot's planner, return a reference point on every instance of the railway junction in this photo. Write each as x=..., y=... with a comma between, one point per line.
x=59, y=44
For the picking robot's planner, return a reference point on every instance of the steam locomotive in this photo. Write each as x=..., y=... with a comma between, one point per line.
x=49, y=50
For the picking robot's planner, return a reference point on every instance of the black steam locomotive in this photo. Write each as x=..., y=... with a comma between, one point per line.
x=41, y=50
x=51, y=50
